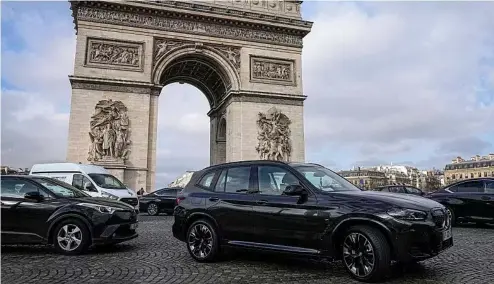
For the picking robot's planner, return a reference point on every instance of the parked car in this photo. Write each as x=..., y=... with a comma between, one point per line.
x=400, y=189
x=306, y=209
x=94, y=180
x=469, y=200
x=160, y=201
x=44, y=210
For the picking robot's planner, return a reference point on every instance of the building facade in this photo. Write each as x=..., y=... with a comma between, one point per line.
x=461, y=169
x=365, y=179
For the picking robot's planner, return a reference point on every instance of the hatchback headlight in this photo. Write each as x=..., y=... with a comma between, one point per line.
x=408, y=214
x=109, y=195
x=101, y=208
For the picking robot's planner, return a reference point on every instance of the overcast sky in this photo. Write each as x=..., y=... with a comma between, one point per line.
x=386, y=82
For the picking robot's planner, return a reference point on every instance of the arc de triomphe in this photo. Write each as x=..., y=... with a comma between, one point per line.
x=244, y=55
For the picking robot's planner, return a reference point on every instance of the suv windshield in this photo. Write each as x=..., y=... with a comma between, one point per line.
x=107, y=181
x=325, y=179
x=60, y=189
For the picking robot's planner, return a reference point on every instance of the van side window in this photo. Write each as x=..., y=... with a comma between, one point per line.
x=79, y=180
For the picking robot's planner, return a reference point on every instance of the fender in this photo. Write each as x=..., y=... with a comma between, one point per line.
x=332, y=232
x=201, y=213
x=54, y=220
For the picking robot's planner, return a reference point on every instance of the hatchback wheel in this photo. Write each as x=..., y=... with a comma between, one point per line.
x=202, y=241
x=366, y=253
x=71, y=237
x=153, y=209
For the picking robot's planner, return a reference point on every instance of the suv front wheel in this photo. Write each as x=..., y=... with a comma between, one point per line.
x=202, y=241
x=366, y=253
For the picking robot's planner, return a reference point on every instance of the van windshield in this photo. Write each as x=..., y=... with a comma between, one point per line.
x=107, y=181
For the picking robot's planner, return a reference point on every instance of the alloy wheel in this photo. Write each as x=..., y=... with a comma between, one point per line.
x=200, y=241
x=152, y=209
x=69, y=237
x=358, y=254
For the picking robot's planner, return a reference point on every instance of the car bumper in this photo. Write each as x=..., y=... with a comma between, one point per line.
x=420, y=242
x=117, y=233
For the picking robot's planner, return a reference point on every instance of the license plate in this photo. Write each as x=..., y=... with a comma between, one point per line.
x=133, y=226
x=447, y=234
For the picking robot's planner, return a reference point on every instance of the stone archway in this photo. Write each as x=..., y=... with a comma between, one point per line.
x=245, y=56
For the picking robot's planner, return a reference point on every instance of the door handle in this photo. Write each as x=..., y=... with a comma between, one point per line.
x=214, y=199
x=485, y=198
x=261, y=202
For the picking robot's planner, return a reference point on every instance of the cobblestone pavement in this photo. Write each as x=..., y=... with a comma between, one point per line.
x=156, y=257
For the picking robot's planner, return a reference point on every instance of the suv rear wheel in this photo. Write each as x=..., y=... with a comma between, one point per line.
x=202, y=241
x=366, y=253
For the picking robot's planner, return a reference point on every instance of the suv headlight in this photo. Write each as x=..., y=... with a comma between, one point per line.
x=109, y=195
x=100, y=208
x=408, y=214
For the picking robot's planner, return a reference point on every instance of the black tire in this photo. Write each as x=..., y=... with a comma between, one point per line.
x=150, y=209
x=453, y=216
x=82, y=234
x=380, y=247
x=203, y=226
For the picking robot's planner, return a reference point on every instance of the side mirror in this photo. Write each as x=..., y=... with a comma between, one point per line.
x=34, y=195
x=293, y=190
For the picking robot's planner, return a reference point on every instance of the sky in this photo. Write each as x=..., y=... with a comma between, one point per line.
x=386, y=82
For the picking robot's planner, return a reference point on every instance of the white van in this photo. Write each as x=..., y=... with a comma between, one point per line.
x=94, y=180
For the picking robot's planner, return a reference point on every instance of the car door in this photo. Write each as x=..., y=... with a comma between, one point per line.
x=290, y=221
x=229, y=200
x=10, y=197
x=26, y=219
x=468, y=200
x=488, y=197
x=79, y=180
x=167, y=199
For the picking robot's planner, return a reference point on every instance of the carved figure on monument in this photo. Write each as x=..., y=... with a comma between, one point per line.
x=115, y=54
x=274, y=136
x=109, y=132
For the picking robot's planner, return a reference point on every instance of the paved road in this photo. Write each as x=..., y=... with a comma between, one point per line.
x=156, y=257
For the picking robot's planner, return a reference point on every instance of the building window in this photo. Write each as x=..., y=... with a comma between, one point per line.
x=485, y=174
x=461, y=176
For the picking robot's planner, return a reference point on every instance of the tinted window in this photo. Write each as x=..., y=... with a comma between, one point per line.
x=17, y=188
x=273, y=180
x=237, y=179
x=397, y=189
x=385, y=189
x=220, y=184
x=60, y=188
x=325, y=179
x=166, y=191
x=107, y=181
x=413, y=190
x=471, y=186
x=489, y=186
x=206, y=180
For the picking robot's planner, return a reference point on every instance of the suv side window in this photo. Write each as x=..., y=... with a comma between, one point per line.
x=234, y=180
x=207, y=180
x=397, y=189
x=470, y=186
x=166, y=192
x=413, y=190
x=273, y=180
x=17, y=188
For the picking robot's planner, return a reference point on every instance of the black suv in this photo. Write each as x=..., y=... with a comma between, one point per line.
x=306, y=209
x=45, y=210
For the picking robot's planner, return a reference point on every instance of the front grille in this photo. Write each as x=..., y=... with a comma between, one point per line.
x=440, y=218
x=131, y=201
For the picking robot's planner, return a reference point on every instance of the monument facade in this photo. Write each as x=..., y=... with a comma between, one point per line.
x=244, y=55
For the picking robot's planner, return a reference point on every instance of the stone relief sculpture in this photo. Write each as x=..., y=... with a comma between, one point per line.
x=271, y=70
x=274, y=136
x=109, y=132
x=232, y=54
x=108, y=52
x=187, y=26
x=162, y=46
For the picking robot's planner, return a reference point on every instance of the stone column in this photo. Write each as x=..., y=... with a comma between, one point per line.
x=152, y=138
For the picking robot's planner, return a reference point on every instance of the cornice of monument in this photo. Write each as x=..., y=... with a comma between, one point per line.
x=273, y=27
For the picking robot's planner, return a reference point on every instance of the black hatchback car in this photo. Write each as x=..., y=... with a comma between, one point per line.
x=469, y=200
x=45, y=210
x=407, y=189
x=306, y=209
